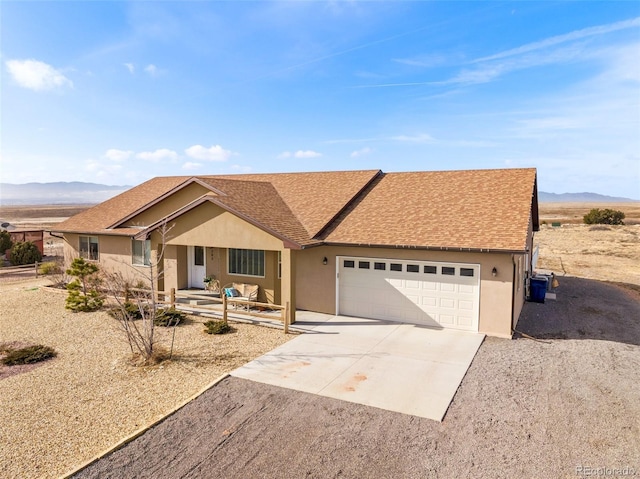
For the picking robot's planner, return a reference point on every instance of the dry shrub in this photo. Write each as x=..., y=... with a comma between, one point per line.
x=28, y=355
x=158, y=355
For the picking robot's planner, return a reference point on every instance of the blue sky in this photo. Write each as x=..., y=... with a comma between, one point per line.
x=118, y=92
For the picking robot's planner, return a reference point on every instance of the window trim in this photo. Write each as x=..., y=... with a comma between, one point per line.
x=246, y=274
x=146, y=255
x=87, y=255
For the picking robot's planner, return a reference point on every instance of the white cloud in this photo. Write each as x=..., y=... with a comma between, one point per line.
x=213, y=153
x=241, y=168
x=425, y=61
x=567, y=37
x=307, y=154
x=151, y=69
x=300, y=154
x=37, y=75
x=118, y=155
x=190, y=165
x=131, y=67
x=361, y=152
x=421, y=138
x=158, y=155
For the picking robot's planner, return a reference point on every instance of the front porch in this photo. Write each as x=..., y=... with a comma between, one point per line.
x=211, y=304
x=186, y=267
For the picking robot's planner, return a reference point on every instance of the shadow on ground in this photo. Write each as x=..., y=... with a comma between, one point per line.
x=585, y=309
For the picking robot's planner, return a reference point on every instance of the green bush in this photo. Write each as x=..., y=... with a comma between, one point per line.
x=217, y=327
x=50, y=267
x=24, y=252
x=5, y=241
x=28, y=355
x=128, y=310
x=604, y=217
x=82, y=301
x=168, y=317
x=83, y=292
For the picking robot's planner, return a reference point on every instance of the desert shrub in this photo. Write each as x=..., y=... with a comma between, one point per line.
x=50, y=267
x=28, y=355
x=24, y=252
x=217, y=327
x=129, y=311
x=83, y=291
x=604, y=217
x=168, y=317
x=5, y=241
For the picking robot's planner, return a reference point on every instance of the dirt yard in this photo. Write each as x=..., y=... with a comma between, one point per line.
x=609, y=253
x=526, y=408
x=62, y=412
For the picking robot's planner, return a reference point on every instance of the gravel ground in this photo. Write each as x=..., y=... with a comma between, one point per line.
x=526, y=408
x=57, y=416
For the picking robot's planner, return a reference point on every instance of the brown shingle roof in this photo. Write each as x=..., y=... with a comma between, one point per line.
x=473, y=209
x=98, y=218
x=259, y=202
x=479, y=209
x=316, y=197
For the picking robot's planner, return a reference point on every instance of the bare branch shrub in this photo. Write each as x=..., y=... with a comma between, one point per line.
x=137, y=308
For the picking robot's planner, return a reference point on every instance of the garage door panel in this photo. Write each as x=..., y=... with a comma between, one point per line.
x=466, y=288
x=465, y=305
x=446, y=320
x=414, y=291
x=429, y=301
x=447, y=287
x=412, y=284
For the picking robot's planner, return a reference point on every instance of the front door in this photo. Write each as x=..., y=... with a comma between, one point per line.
x=197, y=268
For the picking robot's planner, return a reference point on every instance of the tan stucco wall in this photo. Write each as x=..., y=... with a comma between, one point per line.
x=217, y=262
x=316, y=286
x=210, y=225
x=114, y=256
x=168, y=205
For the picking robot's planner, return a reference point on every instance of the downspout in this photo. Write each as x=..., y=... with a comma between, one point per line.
x=513, y=293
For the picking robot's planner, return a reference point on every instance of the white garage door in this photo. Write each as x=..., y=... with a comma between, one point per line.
x=431, y=293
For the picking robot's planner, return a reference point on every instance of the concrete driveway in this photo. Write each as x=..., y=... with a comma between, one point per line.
x=394, y=366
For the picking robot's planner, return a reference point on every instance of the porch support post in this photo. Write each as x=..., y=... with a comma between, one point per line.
x=288, y=282
x=170, y=268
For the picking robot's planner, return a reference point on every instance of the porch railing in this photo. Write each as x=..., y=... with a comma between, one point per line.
x=172, y=298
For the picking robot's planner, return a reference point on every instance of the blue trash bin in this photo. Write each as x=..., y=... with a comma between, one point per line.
x=538, y=289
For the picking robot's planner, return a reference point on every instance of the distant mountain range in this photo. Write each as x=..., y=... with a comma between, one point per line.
x=77, y=192
x=62, y=192
x=544, y=197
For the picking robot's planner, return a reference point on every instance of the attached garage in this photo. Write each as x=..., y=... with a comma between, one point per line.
x=435, y=294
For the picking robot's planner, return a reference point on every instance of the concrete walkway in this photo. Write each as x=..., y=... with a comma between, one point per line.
x=394, y=366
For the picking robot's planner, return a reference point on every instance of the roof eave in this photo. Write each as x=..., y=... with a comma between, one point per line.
x=454, y=249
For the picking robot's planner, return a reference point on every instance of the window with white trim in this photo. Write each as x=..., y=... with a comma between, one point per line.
x=246, y=262
x=141, y=252
x=88, y=248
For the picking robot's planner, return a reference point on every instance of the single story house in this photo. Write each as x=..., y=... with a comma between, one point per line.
x=444, y=249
